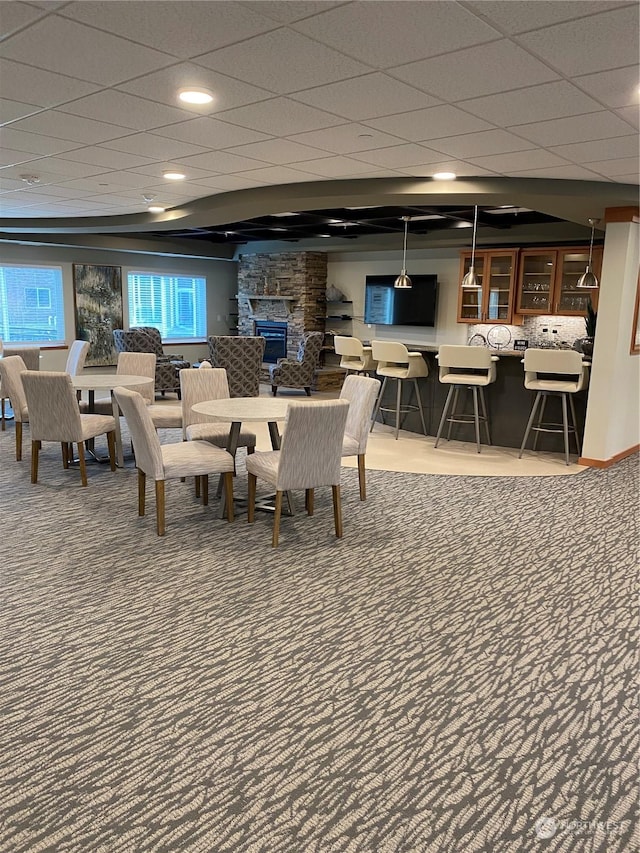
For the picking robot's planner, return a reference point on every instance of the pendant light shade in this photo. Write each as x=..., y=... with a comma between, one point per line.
x=403, y=280
x=588, y=278
x=471, y=279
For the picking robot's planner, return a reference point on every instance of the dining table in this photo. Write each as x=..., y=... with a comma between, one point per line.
x=92, y=382
x=239, y=410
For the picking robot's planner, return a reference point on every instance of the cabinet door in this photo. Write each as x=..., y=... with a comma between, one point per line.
x=470, y=299
x=536, y=281
x=498, y=286
x=570, y=299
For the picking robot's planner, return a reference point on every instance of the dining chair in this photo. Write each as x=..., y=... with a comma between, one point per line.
x=54, y=415
x=309, y=457
x=76, y=357
x=198, y=385
x=31, y=358
x=12, y=369
x=162, y=462
x=361, y=392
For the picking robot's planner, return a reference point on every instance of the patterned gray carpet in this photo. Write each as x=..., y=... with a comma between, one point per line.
x=454, y=675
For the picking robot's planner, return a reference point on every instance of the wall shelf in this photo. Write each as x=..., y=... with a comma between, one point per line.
x=256, y=301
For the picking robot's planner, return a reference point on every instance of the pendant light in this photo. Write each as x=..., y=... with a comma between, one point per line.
x=403, y=280
x=471, y=279
x=588, y=278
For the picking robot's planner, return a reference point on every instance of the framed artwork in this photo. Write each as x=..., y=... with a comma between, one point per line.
x=635, y=332
x=97, y=296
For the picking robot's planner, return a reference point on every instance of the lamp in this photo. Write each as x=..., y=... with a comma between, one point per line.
x=471, y=279
x=588, y=278
x=403, y=280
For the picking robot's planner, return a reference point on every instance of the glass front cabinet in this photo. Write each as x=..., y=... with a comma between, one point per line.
x=548, y=277
x=493, y=301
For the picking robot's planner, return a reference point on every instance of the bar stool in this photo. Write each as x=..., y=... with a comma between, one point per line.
x=554, y=373
x=396, y=362
x=470, y=367
x=355, y=356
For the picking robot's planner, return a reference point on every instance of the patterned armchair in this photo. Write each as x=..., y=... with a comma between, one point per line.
x=241, y=356
x=147, y=339
x=298, y=373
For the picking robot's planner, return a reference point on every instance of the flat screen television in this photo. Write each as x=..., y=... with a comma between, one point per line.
x=386, y=305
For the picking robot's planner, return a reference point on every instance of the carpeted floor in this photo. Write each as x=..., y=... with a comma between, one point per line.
x=456, y=669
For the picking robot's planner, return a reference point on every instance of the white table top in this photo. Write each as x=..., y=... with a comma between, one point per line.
x=107, y=381
x=246, y=409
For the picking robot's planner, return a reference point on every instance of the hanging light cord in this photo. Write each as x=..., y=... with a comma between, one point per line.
x=473, y=242
x=404, y=248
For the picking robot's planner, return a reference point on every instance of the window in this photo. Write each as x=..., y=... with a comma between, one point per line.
x=174, y=304
x=31, y=306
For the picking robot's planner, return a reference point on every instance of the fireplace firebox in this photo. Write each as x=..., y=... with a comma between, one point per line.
x=275, y=335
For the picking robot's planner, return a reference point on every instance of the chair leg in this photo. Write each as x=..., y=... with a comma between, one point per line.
x=361, y=477
x=565, y=428
x=198, y=485
x=276, y=519
x=308, y=501
x=398, y=402
x=454, y=409
x=142, y=482
x=378, y=403
x=337, y=511
x=420, y=409
x=160, y=510
x=307, y=390
x=540, y=419
x=35, y=447
x=205, y=489
x=111, y=444
x=483, y=403
x=18, y=441
x=228, y=494
x=65, y=454
x=2, y=399
x=83, y=463
x=251, y=502
x=476, y=417
x=274, y=390
x=529, y=422
x=575, y=424
x=444, y=415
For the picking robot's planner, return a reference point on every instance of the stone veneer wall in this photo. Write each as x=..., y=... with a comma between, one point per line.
x=302, y=275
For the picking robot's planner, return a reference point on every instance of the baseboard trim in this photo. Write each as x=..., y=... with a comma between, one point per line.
x=606, y=463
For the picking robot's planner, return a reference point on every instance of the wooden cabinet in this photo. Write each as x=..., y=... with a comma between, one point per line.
x=547, y=280
x=494, y=300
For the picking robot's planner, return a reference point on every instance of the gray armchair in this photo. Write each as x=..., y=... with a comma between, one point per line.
x=298, y=372
x=241, y=356
x=147, y=339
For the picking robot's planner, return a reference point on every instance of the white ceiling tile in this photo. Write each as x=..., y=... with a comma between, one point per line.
x=568, y=173
x=334, y=167
x=600, y=149
x=64, y=126
x=132, y=112
x=432, y=123
x=370, y=96
x=225, y=183
x=153, y=146
x=536, y=103
x=63, y=46
x=223, y=161
x=163, y=86
x=304, y=63
x=617, y=88
x=109, y=183
x=427, y=29
x=581, y=47
x=280, y=117
x=33, y=86
x=520, y=17
x=98, y=156
x=346, y=139
x=601, y=125
x=277, y=152
x=631, y=178
x=277, y=175
x=518, y=160
x=459, y=167
x=612, y=168
x=286, y=11
x=12, y=110
x=480, y=70
x=8, y=157
x=629, y=114
x=14, y=16
x=34, y=143
x=155, y=170
x=479, y=144
x=52, y=169
x=400, y=156
x=210, y=133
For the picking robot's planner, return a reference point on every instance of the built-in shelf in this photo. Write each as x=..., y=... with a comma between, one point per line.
x=255, y=300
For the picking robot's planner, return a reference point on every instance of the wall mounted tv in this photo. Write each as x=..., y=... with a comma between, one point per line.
x=386, y=305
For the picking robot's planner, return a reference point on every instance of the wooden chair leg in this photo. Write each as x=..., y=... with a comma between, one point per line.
x=276, y=519
x=362, y=478
x=337, y=511
x=205, y=489
x=83, y=463
x=308, y=501
x=65, y=454
x=251, y=502
x=18, y=441
x=251, y=449
x=111, y=444
x=228, y=494
x=35, y=447
x=160, y=509
x=2, y=399
x=197, y=486
x=307, y=390
x=274, y=390
x=142, y=482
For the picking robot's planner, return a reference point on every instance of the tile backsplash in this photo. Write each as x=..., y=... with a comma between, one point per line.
x=560, y=331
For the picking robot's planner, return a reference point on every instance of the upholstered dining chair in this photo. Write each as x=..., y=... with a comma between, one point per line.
x=12, y=369
x=197, y=386
x=76, y=357
x=298, y=372
x=241, y=356
x=54, y=415
x=361, y=392
x=31, y=358
x=309, y=457
x=147, y=339
x=162, y=462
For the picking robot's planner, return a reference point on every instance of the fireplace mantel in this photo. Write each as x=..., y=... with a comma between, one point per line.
x=255, y=302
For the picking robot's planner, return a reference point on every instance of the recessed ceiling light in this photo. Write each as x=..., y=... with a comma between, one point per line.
x=174, y=175
x=444, y=176
x=156, y=208
x=195, y=96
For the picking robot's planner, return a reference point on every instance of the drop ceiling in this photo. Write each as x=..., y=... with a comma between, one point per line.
x=311, y=98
